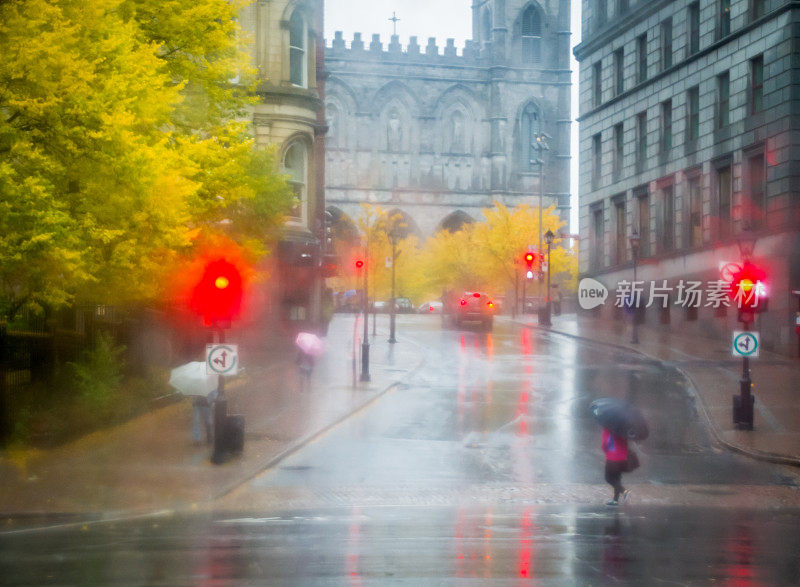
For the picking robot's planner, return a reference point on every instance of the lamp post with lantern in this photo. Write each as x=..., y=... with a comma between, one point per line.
x=548, y=237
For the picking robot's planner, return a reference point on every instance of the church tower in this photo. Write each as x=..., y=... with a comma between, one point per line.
x=526, y=45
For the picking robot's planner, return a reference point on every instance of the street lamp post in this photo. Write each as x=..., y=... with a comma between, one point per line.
x=635, y=241
x=548, y=237
x=393, y=236
x=365, y=341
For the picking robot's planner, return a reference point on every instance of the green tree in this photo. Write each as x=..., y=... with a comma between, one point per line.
x=121, y=141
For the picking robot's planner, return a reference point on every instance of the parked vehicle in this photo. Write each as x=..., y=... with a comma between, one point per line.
x=432, y=307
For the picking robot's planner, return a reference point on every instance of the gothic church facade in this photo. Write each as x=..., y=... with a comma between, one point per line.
x=437, y=133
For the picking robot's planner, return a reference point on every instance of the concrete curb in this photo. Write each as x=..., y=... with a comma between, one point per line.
x=758, y=455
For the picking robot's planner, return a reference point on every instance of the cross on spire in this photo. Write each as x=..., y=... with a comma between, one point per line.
x=394, y=20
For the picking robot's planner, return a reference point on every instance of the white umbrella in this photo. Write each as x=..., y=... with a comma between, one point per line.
x=310, y=344
x=191, y=379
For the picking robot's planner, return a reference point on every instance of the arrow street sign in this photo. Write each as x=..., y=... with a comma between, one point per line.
x=222, y=359
x=745, y=344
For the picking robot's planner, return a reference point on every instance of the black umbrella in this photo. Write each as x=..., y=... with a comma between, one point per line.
x=620, y=417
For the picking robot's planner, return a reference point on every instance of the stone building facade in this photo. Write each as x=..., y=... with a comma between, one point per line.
x=287, y=49
x=689, y=137
x=437, y=133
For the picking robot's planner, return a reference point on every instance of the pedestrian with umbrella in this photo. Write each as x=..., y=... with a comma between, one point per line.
x=621, y=422
x=193, y=380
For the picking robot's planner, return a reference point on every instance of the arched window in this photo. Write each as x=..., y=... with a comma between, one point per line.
x=531, y=35
x=487, y=26
x=298, y=62
x=530, y=129
x=295, y=165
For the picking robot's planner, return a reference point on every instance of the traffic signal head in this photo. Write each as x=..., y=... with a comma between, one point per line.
x=749, y=288
x=359, y=264
x=530, y=259
x=217, y=297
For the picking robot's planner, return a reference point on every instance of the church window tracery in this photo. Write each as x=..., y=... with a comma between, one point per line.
x=531, y=34
x=530, y=129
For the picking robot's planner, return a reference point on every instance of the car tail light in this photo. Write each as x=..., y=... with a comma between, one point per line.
x=430, y=308
x=490, y=304
x=476, y=295
x=463, y=302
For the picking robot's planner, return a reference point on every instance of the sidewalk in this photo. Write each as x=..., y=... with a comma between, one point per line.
x=150, y=463
x=714, y=374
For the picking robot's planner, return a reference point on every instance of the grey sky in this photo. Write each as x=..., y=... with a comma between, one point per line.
x=421, y=18
x=442, y=19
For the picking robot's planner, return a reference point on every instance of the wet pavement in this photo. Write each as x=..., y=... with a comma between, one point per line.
x=484, y=464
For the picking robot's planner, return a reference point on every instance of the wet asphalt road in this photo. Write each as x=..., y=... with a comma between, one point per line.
x=485, y=465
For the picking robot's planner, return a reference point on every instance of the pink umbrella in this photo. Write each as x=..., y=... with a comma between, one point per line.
x=310, y=344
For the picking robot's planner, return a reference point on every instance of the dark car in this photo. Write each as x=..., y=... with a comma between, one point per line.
x=474, y=307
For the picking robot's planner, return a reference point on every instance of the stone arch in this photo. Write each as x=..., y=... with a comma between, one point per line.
x=408, y=225
x=455, y=221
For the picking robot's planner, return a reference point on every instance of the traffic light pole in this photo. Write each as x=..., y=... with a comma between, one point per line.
x=743, y=412
x=220, y=412
x=547, y=321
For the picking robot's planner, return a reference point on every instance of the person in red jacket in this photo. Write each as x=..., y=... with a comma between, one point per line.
x=616, y=451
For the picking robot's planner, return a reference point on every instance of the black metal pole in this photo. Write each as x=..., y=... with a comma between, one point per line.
x=635, y=328
x=393, y=309
x=547, y=321
x=365, y=342
x=524, y=283
x=220, y=414
x=745, y=395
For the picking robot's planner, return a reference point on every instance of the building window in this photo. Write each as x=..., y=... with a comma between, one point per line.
x=695, y=208
x=597, y=159
x=758, y=8
x=602, y=12
x=623, y=6
x=724, y=18
x=598, y=233
x=619, y=145
x=295, y=165
x=757, y=84
x=643, y=205
x=619, y=80
x=641, y=141
x=531, y=36
x=597, y=81
x=694, y=28
x=693, y=114
x=641, y=56
x=666, y=44
x=530, y=131
x=757, y=188
x=620, y=228
x=666, y=127
x=667, y=228
x=723, y=99
x=298, y=63
x=723, y=185
x=455, y=133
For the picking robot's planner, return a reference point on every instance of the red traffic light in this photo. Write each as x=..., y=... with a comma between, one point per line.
x=217, y=297
x=359, y=264
x=748, y=288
